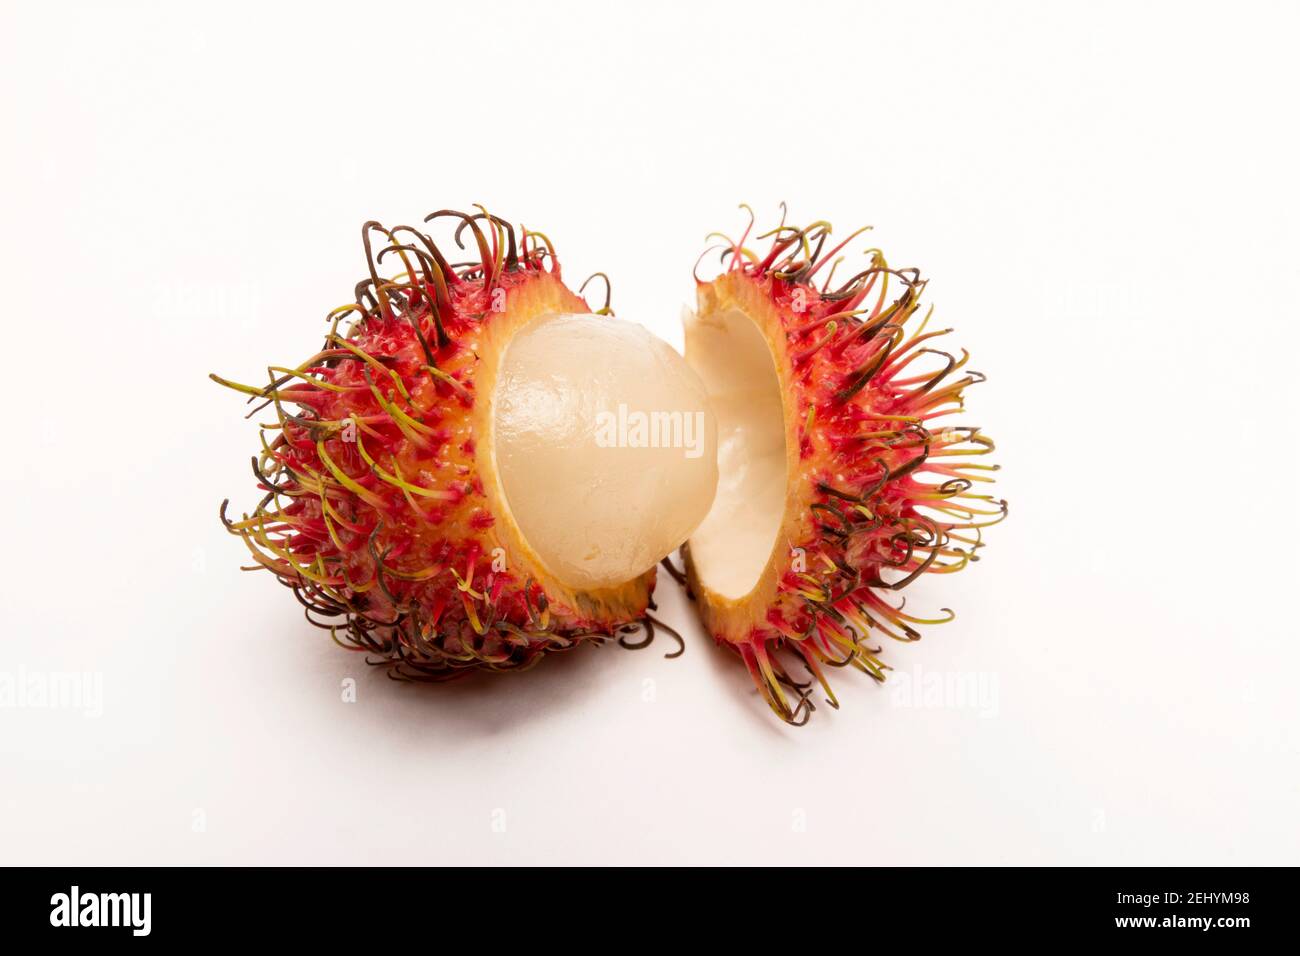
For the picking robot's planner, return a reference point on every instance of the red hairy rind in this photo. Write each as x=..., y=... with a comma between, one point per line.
x=374, y=512
x=890, y=491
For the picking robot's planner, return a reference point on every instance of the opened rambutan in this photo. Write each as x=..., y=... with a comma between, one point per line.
x=838, y=486
x=434, y=491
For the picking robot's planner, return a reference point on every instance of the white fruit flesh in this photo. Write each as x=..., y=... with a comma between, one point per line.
x=735, y=542
x=605, y=444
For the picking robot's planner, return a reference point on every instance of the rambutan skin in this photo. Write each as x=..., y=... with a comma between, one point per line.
x=880, y=491
x=381, y=508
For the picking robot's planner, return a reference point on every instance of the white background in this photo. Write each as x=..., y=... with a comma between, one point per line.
x=1105, y=198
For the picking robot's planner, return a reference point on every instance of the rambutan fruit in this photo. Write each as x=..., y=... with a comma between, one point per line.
x=838, y=484
x=436, y=492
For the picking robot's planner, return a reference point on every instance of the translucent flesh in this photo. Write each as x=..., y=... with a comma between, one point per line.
x=605, y=445
x=733, y=544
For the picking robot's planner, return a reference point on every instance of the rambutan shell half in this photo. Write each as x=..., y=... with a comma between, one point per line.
x=840, y=482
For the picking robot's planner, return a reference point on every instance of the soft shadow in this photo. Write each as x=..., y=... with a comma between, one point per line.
x=483, y=704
